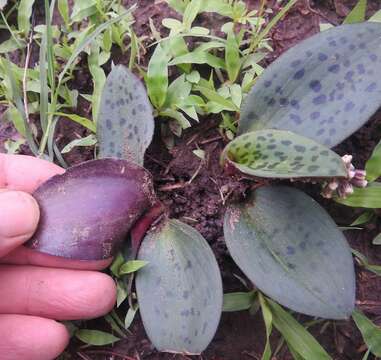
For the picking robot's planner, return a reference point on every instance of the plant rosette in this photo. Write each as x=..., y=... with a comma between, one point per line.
x=309, y=100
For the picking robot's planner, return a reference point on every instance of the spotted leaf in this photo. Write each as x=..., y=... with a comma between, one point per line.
x=291, y=249
x=125, y=125
x=179, y=290
x=325, y=88
x=282, y=154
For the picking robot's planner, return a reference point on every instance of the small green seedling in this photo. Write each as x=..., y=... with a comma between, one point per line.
x=310, y=99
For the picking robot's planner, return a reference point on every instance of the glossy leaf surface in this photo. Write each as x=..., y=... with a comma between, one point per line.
x=125, y=125
x=324, y=88
x=179, y=290
x=282, y=154
x=291, y=249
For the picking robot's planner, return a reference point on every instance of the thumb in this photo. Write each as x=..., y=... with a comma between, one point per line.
x=19, y=215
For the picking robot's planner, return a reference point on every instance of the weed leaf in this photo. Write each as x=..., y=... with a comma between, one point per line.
x=23, y=15
x=369, y=197
x=96, y=337
x=157, y=77
x=373, y=165
x=357, y=14
x=369, y=331
x=238, y=301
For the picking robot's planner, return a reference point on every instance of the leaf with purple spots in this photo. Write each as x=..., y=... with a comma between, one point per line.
x=179, y=290
x=125, y=124
x=292, y=250
x=335, y=73
x=282, y=154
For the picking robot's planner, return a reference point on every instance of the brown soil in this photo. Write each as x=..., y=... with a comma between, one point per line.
x=196, y=190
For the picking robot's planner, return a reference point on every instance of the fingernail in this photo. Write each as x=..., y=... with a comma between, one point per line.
x=19, y=214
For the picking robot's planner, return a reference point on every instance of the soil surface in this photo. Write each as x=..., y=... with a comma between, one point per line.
x=196, y=192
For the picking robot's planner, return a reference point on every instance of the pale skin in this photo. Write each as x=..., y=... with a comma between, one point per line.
x=37, y=289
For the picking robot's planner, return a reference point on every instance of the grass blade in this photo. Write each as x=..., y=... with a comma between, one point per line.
x=19, y=105
x=357, y=14
x=373, y=165
x=87, y=41
x=370, y=332
x=157, y=77
x=44, y=92
x=271, y=24
x=296, y=335
x=79, y=120
x=369, y=197
x=23, y=15
x=268, y=319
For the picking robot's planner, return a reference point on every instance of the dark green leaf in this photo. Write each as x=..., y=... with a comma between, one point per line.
x=291, y=249
x=296, y=335
x=325, y=88
x=282, y=154
x=370, y=332
x=180, y=290
x=125, y=125
x=369, y=197
x=96, y=337
x=238, y=301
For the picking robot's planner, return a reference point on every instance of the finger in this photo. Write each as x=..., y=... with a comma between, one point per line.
x=59, y=294
x=31, y=338
x=25, y=173
x=26, y=256
x=19, y=214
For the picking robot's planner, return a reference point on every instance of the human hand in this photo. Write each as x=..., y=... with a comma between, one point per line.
x=36, y=289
